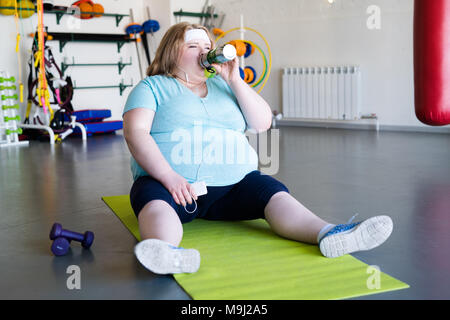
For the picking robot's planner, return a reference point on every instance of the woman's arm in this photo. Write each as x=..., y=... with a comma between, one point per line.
x=256, y=110
x=137, y=124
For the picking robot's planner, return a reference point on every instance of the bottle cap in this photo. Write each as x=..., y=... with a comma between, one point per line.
x=229, y=52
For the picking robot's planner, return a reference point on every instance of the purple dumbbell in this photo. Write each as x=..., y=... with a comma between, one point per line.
x=86, y=239
x=60, y=246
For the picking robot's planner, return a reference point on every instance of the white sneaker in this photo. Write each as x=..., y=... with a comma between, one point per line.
x=361, y=236
x=163, y=258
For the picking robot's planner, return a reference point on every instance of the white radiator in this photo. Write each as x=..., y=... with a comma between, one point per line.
x=331, y=93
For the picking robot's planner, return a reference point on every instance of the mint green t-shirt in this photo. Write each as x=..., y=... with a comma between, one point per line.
x=203, y=139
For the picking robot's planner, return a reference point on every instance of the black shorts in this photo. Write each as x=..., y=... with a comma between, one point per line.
x=244, y=200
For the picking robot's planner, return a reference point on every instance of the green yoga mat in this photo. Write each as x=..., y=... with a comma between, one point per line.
x=245, y=260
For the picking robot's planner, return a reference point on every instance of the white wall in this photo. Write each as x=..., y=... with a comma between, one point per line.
x=88, y=52
x=312, y=32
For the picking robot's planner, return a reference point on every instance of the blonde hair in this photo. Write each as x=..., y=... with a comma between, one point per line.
x=169, y=49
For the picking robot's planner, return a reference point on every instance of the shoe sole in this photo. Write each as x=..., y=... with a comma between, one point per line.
x=368, y=235
x=161, y=258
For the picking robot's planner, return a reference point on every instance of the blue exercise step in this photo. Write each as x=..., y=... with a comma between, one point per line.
x=85, y=116
x=100, y=127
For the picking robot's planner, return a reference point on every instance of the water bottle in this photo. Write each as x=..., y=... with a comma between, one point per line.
x=219, y=55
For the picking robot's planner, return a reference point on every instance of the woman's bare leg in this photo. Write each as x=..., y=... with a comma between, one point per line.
x=290, y=219
x=158, y=220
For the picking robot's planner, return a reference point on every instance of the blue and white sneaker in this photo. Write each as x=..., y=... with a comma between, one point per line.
x=353, y=237
x=161, y=257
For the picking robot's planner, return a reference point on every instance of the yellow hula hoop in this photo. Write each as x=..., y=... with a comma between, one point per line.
x=265, y=41
x=264, y=62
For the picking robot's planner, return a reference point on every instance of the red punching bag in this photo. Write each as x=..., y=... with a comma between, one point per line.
x=432, y=61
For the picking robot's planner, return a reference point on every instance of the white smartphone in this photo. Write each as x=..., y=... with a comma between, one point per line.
x=200, y=188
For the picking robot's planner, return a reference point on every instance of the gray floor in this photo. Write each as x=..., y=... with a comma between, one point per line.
x=336, y=173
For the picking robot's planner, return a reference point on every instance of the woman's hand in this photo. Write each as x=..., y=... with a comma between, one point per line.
x=179, y=188
x=229, y=71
